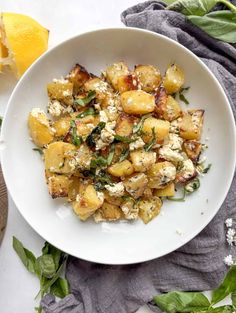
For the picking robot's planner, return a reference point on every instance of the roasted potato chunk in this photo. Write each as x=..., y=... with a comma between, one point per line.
x=62, y=126
x=142, y=160
x=148, y=209
x=56, y=157
x=191, y=125
x=58, y=186
x=130, y=209
x=161, y=174
x=103, y=91
x=75, y=188
x=114, y=72
x=137, y=102
x=124, y=168
x=61, y=91
x=159, y=127
x=149, y=77
x=78, y=76
x=39, y=128
x=87, y=202
x=127, y=82
x=168, y=191
x=173, y=79
x=193, y=149
x=108, y=212
x=111, y=199
x=187, y=172
x=136, y=184
x=124, y=125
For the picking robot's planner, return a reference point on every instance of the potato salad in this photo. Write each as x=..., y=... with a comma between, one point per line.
x=116, y=145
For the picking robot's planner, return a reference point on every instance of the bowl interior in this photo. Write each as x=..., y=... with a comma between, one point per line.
x=122, y=242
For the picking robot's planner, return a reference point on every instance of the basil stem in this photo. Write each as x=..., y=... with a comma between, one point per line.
x=90, y=111
x=86, y=100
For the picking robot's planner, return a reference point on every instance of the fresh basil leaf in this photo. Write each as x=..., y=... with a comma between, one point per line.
x=91, y=139
x=124, y=154
x=90, y=111
x=183, y=98
x=219, y=24
x=233, y=298
x=192, y=7
x=111, y=154
x=46, y=265
x=148, y=146
x=137, y=128
x=39, y=150
x=206, y=169
x=86, y=100
x=60, y=288
x=56, y=254
x=177, y=301
x=221, y=309
x=226, y=287
x=26, y=256
x=99, y=161
x=123, y=139
x=76, y=140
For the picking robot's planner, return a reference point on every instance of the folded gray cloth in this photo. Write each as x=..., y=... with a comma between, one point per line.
x=199, y=264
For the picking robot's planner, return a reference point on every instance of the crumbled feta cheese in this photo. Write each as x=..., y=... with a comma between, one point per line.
x=107, y=135
x=168, y=174
x=117, y=190
x=66, y=93
x=103, y=116
x=174, y=126
x=36, y=112
x=61, y=80
x=139, y=143
x=188, y=168
x=175, y=142
x=79, y=159
x=170, y=155
x=55, y=108
x=97, y=106
x=100, y=196
x=130, y=210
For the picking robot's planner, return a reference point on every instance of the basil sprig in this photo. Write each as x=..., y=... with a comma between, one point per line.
x=86, y=100
x=183, y=302
x=148, y=146
x=76, y=140
x=48, y=268
x=90, y=111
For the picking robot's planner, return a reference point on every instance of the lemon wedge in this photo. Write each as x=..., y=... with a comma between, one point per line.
x=23, y=40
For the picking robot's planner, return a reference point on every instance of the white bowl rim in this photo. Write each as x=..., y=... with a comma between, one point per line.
x=192, y=234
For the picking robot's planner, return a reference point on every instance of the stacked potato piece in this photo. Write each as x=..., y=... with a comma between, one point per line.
x=118, y=144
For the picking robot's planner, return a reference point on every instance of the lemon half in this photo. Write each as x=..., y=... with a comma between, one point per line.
x=22, y=41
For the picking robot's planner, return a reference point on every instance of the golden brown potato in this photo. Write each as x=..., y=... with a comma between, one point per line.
x=161, y=174
x=130, y=209
x=148, y=209
x=191, y=124
x=75, y=188
x=167, y=107
x=149, y=77
x=136, y=184
x=137, y=102
x=173, y=79
x=124, y=168
x=78, y=76
x=39, y=128
x=127, y=82
x=159, y=127
x=108, y=212
x=148, y=193
x=62, y=126
x=111, y=199
x=142, y=160
x=124, y=125
x=58, y=185
x=193, y=149
x=61, y=91
x=97, y=84
x=187, y=172
x=168, y=191
x=114, y=71
x=120, y=148
x=56, y=157
x=87, y=202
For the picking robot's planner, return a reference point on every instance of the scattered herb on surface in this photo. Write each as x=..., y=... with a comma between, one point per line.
x=39, y=150
x=111, y=154
x=48, y=268
x=148, y=146
x=206, y=169
x=123, y=139
x=124, y=154
x=182, y=96
x=138, y=127
x=91, y=139
x=86, y=100
x=77, y=140
x=192, y=186
x=90, y=111
x=98, y=161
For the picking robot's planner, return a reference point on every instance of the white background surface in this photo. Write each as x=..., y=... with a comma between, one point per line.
x=64, y=18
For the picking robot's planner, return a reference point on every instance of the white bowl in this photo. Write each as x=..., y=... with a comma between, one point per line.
x=121, y=242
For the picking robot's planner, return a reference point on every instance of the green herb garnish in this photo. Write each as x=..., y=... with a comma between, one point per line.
x=111, y=154
x=102, y=179
x=99, y=161
x=47, y=267
x=148, y=146
x=182, y=96
x=123, y=139
x=206, y=169
x=91, y=139
x=39, y=150
x=90, y=111
x=192, y=186
x=124, y=154
x=86, y=100
x=138, y=128
x=76, y=140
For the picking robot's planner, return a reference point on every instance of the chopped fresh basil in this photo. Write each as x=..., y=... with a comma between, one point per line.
x=102, y=179
x=148, y=146
x=86, y=100
x=182, y=96
x=91, y=139
x=90, y=111
x=137, y=128
x=76, y=140
x=206, y=169
x=99, y=161
x=123, y=139
x=124, y=154
x=39, y=150
x=111, y=154
x=192, y=186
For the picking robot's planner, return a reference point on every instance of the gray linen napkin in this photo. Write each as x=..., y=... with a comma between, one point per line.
x=199, y=264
